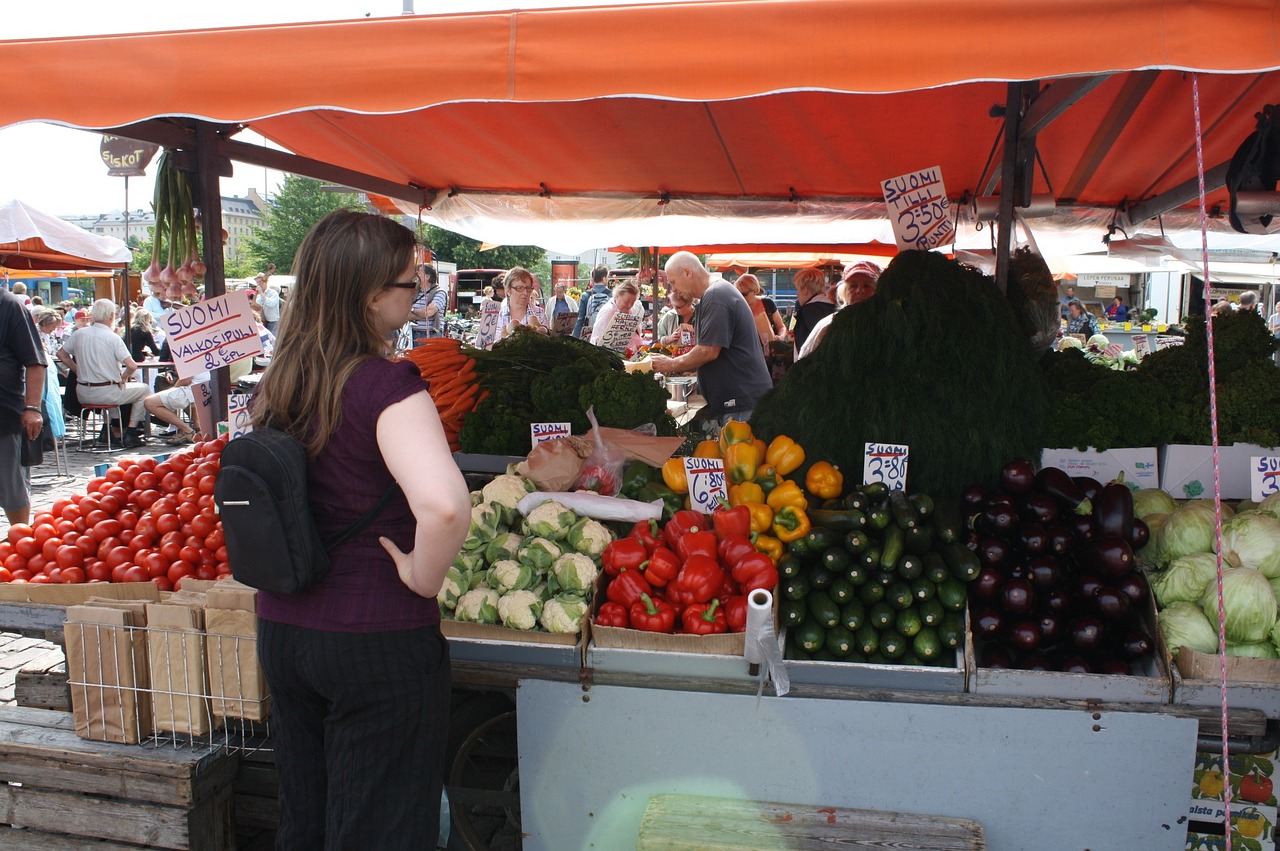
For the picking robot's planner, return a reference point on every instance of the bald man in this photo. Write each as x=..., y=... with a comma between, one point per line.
x=731, y=370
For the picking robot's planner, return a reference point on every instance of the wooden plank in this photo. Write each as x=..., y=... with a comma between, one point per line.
x=14, y=839
x=42, y=682
x=38, y=772
x=686, y=823
x=257, y=811
x=99, y=818
x=33, y=717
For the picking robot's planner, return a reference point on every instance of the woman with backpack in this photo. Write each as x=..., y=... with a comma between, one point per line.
x=358, y=668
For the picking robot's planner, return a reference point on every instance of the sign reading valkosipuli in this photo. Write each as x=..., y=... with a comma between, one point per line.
x=213, y=333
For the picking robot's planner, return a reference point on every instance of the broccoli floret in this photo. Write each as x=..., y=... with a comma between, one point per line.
x=496, y=428
x=589, y=537
x=550, y=520
x=479, y=605
x=563, y=614
x=625, y=400
x=575, y=573
x=519, y=609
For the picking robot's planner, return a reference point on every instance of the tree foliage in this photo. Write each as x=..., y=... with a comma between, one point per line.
x=300, y=203
x=234, y=267
x=455, y=248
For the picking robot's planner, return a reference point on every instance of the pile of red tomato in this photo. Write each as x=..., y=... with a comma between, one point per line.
x=144, y=521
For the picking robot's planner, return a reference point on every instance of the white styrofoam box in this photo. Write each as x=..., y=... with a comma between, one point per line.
x=1139, y=465
x=1188, y=470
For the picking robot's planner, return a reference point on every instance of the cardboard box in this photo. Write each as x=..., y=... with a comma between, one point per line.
x=724, y=644
x=74, y=595
x=1188, y=470
x=1251, y=683
x=179, y=675
x=107, y=673
x=494, y=632
x=1140, y=465
x=1253, y=802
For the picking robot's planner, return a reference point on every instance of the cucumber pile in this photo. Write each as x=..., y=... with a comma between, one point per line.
x=881, y=577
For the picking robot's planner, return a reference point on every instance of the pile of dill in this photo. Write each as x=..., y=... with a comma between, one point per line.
x=533, y=378
x=936, y=359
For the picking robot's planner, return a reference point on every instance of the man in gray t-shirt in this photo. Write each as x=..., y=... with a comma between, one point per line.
x=731, y=370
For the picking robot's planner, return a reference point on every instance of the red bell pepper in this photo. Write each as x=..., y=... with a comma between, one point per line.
x=697, y=543
x=756, y=571
x=627, y=586
x=663, y=567
x=700, y=579
x=735, y=612
x=623, y=554
x=731, y=522
x=649, y=533
x=704, y=619
x=729, y=587
x=733, y=550
x=613, y=614
x=653, y=615
x=683, y=521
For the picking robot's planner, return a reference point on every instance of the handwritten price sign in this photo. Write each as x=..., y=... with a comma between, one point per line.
x=542, y=432
x=1264, y=477
x=238, y=419
x=919, y=209
x=213, y=333
x=885, y=462
x=706, y=483
x=1141, y=345
x=202, y=391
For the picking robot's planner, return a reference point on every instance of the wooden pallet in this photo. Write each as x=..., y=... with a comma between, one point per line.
x=41, y=683
x=688, y=822
x=79, y=792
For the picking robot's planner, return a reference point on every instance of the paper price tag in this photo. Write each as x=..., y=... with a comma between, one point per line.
x=542, y=432
x=706, y=483
x=1264, y=476
x=919, y=209
x=202, y=392
x=212, y=333
x=1141, y=346
x=1164, y=341
x=885, y=462
x=238, y=414
x=686, y=339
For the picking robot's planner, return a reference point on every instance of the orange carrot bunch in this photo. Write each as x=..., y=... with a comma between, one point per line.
x=452, y=375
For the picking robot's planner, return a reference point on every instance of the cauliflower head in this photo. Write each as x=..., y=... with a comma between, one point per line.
x=504, y=546
x=485, y=521
x=563, y=614
x=519, y=609
x=509, y=575
x=589, y=537
x=456, y=583
x=550, y=520
x=575, y=573
x=479, y=605
x=507, y=490
x=538, y=553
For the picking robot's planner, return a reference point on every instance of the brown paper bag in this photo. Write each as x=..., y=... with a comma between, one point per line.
x=107, y=673
x=237, y=683
x=179, y=677
x=637, y=447
x=554, y=465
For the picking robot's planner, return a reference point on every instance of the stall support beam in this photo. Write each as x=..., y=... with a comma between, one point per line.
x=1015, y=173
x=208, y=191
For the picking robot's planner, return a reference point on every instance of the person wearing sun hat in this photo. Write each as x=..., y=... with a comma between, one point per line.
x=857, y=283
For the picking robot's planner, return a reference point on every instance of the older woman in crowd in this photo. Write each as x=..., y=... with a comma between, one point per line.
x=613, y=319
x=857, y=283
x=812, y=303
x=749, y=286
x=1079, y=320
x=679, y=316
x=518, y=307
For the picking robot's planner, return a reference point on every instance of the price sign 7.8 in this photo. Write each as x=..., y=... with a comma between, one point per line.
x=885, y=462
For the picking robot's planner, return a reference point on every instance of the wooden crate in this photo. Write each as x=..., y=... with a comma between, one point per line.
x=41, y=683
x=80, y=793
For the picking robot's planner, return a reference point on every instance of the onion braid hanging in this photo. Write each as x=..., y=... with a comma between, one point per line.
x=175, y=231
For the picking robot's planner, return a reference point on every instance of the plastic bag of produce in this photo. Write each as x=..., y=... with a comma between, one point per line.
x=602, y=470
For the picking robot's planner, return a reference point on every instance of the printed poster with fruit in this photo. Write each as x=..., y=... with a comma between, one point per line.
x=1253, y=803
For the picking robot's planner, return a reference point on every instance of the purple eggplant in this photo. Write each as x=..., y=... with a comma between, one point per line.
x=1110, y=555
x=1134, y=586
x=1057, y=601
x=1033, y=539
x=974, y=499
x=1039, y=507
x=1050, y=626
x=994, y=552
x=999, y=520
x=1045, y=572
x=1089, y=486
x=1140, y=535
x=1074, y=665
x=988, y=623
x=1113, y=510
x=1082, y=526
x=1111, y=604
x=1025, y=635
x=1017, y=597
x=987, y=584
x=1017, y=476
x=1136, y=644
x=1086, y=634
x=1060, y=539
x=1057, y=484
x=1085, y=586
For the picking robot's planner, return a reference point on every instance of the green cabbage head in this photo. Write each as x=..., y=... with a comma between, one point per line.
x=1249, y=602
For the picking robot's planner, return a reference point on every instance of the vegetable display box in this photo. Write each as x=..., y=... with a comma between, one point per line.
x=636, y=651
x=479, y=642
x=1251, y=683
x=1139, y=465
x=1188, y=469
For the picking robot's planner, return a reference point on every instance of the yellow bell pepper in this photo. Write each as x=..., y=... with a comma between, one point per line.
x=734, y=431
x=787, y=494
x=770, y=546
x=707, y=449
x=740, y=462
x=824, y=480
x=784, y=454
x=766, y=477
x=745, y=492
x=761, y=516
x=790, y=523
x=674, y=476
x=761, y=447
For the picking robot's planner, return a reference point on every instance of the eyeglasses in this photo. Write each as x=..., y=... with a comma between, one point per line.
x=406, y=285
x=519, y=289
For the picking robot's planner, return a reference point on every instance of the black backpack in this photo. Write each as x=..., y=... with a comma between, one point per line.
x=261, y=494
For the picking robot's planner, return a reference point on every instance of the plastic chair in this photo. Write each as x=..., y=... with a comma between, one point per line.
x=100, y=413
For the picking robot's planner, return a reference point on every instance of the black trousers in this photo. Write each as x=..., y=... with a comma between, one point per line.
x=359, y=725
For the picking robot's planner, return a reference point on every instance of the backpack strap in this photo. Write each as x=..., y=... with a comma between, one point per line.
x=365, y=519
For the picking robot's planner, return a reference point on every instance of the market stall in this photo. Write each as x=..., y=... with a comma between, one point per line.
x=776, y=144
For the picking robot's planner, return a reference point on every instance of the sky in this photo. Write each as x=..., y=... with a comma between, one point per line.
x=59, y=170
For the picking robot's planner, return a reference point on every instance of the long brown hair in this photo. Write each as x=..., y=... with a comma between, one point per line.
x=328, y=329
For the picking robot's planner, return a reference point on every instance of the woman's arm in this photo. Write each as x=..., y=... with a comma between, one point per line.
x=416, y=452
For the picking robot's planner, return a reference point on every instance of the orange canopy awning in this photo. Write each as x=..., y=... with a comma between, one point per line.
x=790, y=100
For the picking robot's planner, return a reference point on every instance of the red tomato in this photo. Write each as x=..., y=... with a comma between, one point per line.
x=119, y=555
x=146, y=498
x=155, y=563
x=186, y=512
x=171, y=483
x=147, y=464
x=98, y=572
x=59, y=505
x=146, y=481
x=181, y=461
x=90, y=503
x=6, y=550
x=126, y=535
x=189, y=480
x=73, y=575
x=138, y=542
x=171, y=550
x=95, y=484
x=207, y=556
x=207, y=484
x=206, y=572
x=164, y=468
x=82, y=525
x=177, y=571
x=202, y=525
x=39, y=579
x=72, y=512
x=128, y=519
x=163, y=583
x=93, y=518
x=115, y=474
x=107, y=528
x=37, y=563
x=27, y=547
x=23, y=575
x=53, y=572
x=50, y=547
x=68, y=557
x=117, y=572
x=168, y=523
x=120, y=492
x=164, y=505
x=15, y=562
x=131, y=476
x=111, y=504
x=136, y=574
x=188, y=494
x=176, y=537
x=64, y=528
x=146, y=525
x=190, y=554
x=205, y=501
x=87, y=545
x=43, y=518
x=215, y=538
x=108, y=545
x=5, y=575
x=77, y=498
x=43, y=532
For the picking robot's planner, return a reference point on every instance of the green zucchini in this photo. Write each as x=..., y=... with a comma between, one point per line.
x=935, y=568
x=948, y=523
x=910, y=567
x=822, y=609
x=810, y=637
x=839, y=642
x=847, y=520
x=894, y=544
x=853, y=614
x=962, y=561
x=903, y=514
